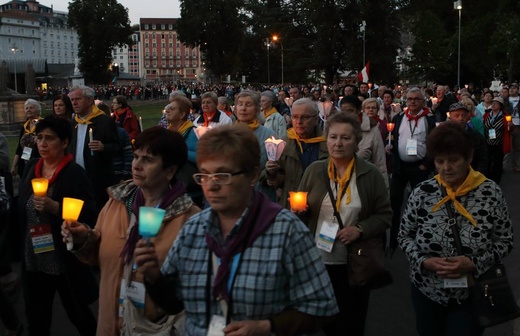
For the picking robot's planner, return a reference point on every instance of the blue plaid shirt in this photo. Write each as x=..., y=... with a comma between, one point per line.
x=281, y=269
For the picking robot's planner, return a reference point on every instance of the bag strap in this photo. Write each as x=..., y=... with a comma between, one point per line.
x=452, y=222
x=332, y=200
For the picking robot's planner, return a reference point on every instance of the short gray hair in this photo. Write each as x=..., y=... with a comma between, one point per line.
x=34, y=103
x=87, y=91
x=270, y=95
x=417, y=90
x=175, y=93
x=252, y=94
x=309, y=103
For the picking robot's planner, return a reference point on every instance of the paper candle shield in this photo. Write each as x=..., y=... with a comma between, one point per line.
x=298, y=200
x=71, y=208
x=40, y=186
x=150, y=220
x=274, y=148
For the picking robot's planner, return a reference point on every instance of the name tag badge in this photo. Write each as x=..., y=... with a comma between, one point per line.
x=26, y=154
x=492, y=134
x=327, y=236
x=216, y=325
x=41, y=237
x=461, y=282
x=135, y=292
x=411, y=147
x=516, y=120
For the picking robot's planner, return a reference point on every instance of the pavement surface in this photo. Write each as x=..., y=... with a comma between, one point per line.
x=390, y=311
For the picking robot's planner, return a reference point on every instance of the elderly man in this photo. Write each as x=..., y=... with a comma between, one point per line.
x=459, y=113
x=409, y=153
x=305, y=144
x=94, y=141
x=441, y=107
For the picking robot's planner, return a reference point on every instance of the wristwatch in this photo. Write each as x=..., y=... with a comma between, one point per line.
x=360, y=229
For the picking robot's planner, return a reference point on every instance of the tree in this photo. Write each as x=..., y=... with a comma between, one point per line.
x=102, y=25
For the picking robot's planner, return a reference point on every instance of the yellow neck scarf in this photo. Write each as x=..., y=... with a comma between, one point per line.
x=184, y=127
x=253, y=125
x=342, y=181
x=30, y=125
x=272, y=111
x=95, y=112
x=473, y=180
x=291, y=134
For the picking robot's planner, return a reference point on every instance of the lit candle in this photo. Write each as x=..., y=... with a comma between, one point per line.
x=91, y=137
x=70, y=212
x=150, y=220
x=298, y=200
x=508, y=119
x=141, y=123
x=40, y=186
x=390, y=128
x=434, y=100
x=274, y=148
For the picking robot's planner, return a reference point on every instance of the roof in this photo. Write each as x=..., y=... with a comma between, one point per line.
x=39, y=64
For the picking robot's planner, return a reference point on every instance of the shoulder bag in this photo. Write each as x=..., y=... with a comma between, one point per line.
x=490, y=294
x=366, y=257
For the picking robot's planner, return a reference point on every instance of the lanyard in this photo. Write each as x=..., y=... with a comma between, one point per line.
x=492, y=120
x=414, y=128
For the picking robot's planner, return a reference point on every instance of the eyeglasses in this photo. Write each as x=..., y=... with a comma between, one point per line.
x=218, y=178
x=303, y=117
x=415, y=100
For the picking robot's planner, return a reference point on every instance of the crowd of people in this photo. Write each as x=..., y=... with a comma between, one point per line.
x=233, y=254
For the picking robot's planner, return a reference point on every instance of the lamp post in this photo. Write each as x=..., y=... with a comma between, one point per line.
x=14, y=49
x=457, y=5
x=362, y=28
x=276, y=39
x=267, y=42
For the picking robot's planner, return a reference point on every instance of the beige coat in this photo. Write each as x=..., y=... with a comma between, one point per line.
x=371, y=147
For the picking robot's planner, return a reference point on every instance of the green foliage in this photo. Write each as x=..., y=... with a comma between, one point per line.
x=101, y=26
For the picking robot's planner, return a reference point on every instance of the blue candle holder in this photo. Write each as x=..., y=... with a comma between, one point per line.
x=150, y=220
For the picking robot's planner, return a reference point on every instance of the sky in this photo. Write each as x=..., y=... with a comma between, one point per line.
x=136, y=8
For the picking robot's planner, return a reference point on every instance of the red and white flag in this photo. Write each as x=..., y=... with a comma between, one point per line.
x=363, y=75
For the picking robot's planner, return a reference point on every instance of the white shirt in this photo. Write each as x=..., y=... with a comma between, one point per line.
x=80, y=144
x=417, y=132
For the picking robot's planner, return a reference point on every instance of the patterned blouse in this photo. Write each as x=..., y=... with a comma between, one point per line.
x=496, y=123
x=424, y=234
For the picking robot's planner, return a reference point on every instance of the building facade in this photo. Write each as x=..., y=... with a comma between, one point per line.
x=163, y=57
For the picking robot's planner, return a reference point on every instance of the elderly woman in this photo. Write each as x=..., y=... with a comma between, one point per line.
x=359, y=195
x=62, y=106
x=370, y=108
x=371, y=146
x=211, y=116
x=124, y=116
x=247, y=108
x=158, y=156
x=273, y=252
x=474, y=121
x=426, y=238
x=223, y=105
x=27, y=148
x=498, y=138
x=47, y=267
x=177, y=112
x=273, y=119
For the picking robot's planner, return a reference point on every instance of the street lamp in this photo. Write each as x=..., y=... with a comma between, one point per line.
x=276, y=39
x=362, y=28
x=14, y=49
x=457, y=5
x=268, y=43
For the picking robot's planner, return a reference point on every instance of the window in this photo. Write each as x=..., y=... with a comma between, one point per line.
x=146, y=45
x=163, y=45
x=170, y=27
x=121, y=57
x=146, y=26
x=153, y=26
x=170, y=44
x=154, y=45
x=163, y=27
x=153, y=36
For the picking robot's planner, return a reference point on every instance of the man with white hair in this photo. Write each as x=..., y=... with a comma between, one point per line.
x=94, y=141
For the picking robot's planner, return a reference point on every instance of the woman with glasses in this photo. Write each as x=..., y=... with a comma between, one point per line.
x=125, y=117
x=47, y=266
x=245, y=264
x=158, y=156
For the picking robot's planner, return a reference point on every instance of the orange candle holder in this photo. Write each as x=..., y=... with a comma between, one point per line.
x=70, y=212
x=298, y=200
x=40, y=186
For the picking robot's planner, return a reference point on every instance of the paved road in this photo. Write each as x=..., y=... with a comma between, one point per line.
x=390, y=312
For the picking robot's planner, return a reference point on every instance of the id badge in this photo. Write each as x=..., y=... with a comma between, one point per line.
x=135, y=293
x=411, y=147
x=327, y=236
x=461, y=282
x=216, y=326
x=516, y=120
x=492, y=134
x=26, y=154
x=41, y=237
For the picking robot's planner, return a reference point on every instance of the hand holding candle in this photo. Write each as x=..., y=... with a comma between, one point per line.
x=71, y=210
x=40, y=186
x=150, y=220
x=298, y=200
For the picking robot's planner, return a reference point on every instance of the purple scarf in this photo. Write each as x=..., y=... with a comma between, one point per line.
x=176, y=189
x=260, y=217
